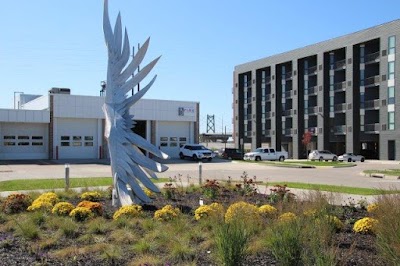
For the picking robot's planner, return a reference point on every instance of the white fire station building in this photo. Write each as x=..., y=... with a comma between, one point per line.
x=64, y=126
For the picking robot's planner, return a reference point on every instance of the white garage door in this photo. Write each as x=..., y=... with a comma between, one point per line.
x=77, y=138
x=171, y=135
x=23, y=141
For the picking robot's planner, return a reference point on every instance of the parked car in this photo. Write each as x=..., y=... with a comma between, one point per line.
x=266, y=154
x=196, y=152
x=322, y=156
x=232, y=154
x=351, y=157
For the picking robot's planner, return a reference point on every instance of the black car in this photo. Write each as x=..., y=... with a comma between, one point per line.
x=232, y=154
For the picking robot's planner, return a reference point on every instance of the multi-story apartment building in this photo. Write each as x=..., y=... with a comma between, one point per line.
x=344, y=91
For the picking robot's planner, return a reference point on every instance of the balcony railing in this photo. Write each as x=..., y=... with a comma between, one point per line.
x=372, y=80
x=340, y=86
x=339, y=64
x=288, y=94
x=340, y=107
x=311, y=90
x=266, y=132
x=374, y=104
x=287, y=112
x=247, y=133
x=287, y=75
x=287, y=131
x=311, y=70
x=266, y=115
x=266, y=98
x=372, y=128
x=312, y=110
x=266, y=80
x=371, y=57
x=339, y=130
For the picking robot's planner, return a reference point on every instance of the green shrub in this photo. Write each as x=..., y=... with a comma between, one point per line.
x=16, y=203
x=27, y=229
x=68, y=228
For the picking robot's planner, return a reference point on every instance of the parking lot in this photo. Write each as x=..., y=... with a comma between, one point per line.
x=217, y=169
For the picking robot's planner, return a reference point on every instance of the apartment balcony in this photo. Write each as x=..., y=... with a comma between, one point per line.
x=247, y=134
x=266, y=132
x=371, y=58
x=372, y=81
x=338, y=108
x=266, y=115
x=288, y=112
x=310, y=71
x=311, y=91
x=287, y=75
x=311, y=110
x=266, y=98
x=372, y=128
x=266, y=80
x=340, y=86
x=313, y=131
x=339, y=130
x=288, y=94
x=338, y=65
x=287, y=131
x=247, y=100
x=372, y=105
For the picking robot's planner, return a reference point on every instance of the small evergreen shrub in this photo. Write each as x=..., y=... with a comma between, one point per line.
x=128, y=211
x=62, y=208
x=365, y=225
x=16, y=203
x=166, y=213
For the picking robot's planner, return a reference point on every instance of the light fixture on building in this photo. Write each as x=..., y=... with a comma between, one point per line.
x=103, y=86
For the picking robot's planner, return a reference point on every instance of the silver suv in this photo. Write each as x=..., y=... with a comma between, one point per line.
x=322, y=156
x=196, y=152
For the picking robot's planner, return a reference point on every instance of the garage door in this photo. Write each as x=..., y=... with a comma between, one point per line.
x=171, y=135
x=21, y=141
x=77, y=138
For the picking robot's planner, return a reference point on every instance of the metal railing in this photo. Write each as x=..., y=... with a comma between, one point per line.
x=287, y=75
x=339, y=86
x=338, y=130
x=288, y=94
x=312, y=110
x=371, y=57
x=339, y=64
x=266, y=132
x=373, y=104
x=372, y=127
x=287, y=112
x=312, y=90
x=311, y=70
x=266, y=98
x=287, y=131
x=340, y=107
x=372, y=80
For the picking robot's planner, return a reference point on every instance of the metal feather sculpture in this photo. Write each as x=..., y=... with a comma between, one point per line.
x=129, y=165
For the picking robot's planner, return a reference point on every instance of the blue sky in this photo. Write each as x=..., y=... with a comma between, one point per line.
x=47, y=43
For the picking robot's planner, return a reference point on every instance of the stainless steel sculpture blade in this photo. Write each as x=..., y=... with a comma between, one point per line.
x=131, y=169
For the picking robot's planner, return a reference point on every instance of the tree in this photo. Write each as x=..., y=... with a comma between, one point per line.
x=306, y=141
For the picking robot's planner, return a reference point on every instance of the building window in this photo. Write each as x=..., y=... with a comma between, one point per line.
x=173, y=144
x=173, y=139
x=37, y=143
x=88, y=137
x=64, y=144
x=76, y=143
x=77, y=138
x=37, y=137
x=163, y=138
x=391, y=120
x=392, y=44
x=65, y=138
x=23, y=137
x=88, y=144
x=182, y=138
x=391, y=70
x=9, y=137
x=391, y=95
x=9, y=143
x=23, y=143
x=163, y=144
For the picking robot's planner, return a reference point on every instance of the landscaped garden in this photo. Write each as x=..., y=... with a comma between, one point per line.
x=218, y=223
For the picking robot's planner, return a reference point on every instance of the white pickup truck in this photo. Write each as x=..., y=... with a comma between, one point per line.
x=266, y=154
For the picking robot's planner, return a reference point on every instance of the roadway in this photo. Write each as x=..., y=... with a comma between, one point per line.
x=217, y=169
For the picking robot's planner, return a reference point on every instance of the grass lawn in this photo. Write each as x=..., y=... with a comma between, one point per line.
x=393, y=172
x=333, y=188
x=32, y=184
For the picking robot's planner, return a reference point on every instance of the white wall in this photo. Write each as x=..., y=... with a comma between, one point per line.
x=40, y=103
x=24, y=116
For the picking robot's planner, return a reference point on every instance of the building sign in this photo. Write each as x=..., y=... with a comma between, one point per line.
x=186, y=111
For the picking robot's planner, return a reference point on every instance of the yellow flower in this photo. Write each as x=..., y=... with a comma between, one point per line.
x=372, y=208
x=62, y=208
x=94, y=207
x=128, y=211
x=167, y=213
x=91, y=196
x=148, y=192
x=81, y=213
x=267, y=210
x=241, y=210
x=287, y=217
x=213, y=209
x=365, y=225
x=45, y=202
